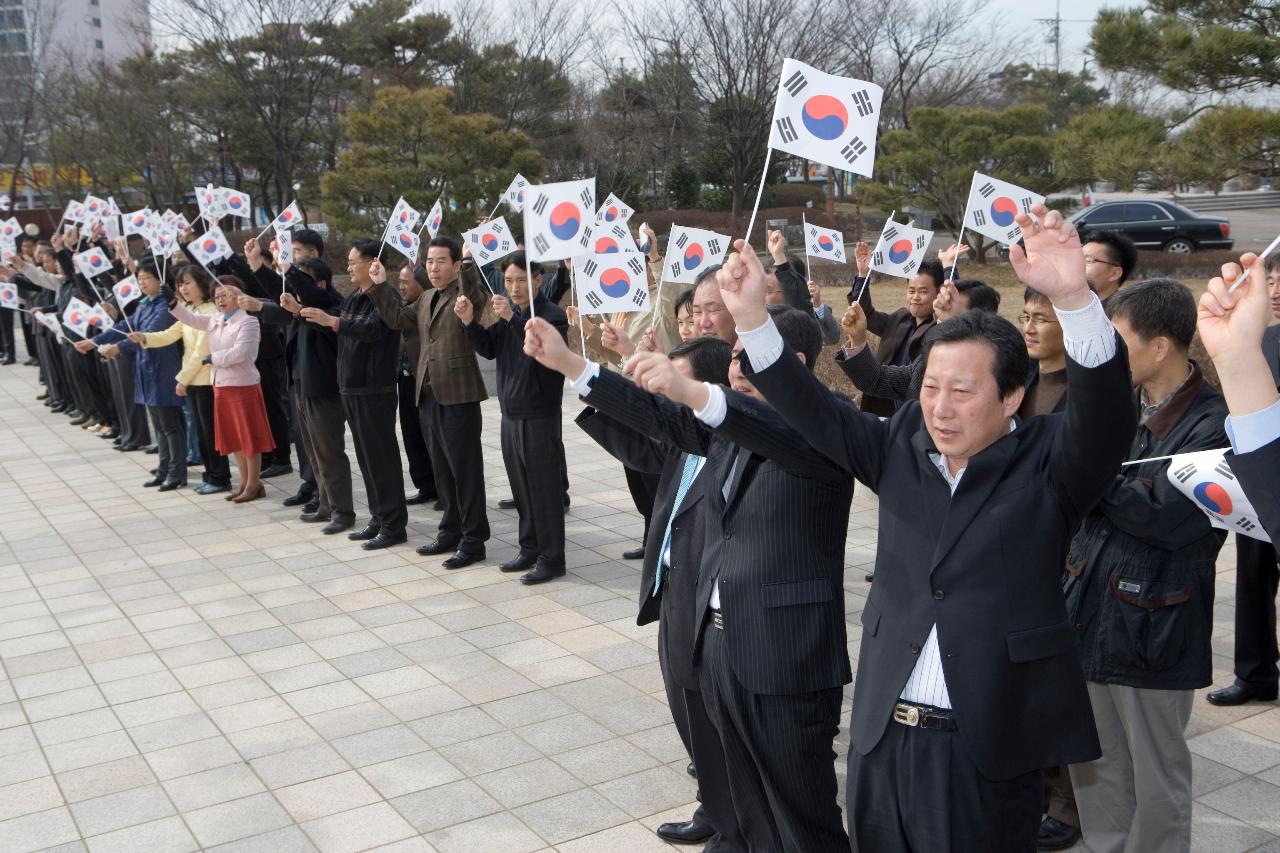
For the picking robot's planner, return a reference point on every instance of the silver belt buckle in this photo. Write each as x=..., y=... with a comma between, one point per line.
x=907, y=715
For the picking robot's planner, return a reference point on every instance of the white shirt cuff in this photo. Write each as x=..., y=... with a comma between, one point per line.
x=1254, y=430
x=763, y=346
x=582, y=385
x=1087, y=334
x=717, y=407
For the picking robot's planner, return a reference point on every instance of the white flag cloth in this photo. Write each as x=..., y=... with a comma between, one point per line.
x=210, y=247
x=74, y=212
x=126, y=291
x=284, y=249
x=76, y=317
x=8, y=252
x=209, y=200
x=10, y=228
x=490, y=241
x=404, y=242
x=613, y=210
x=97, y=207
x=828, y=119
x=613, y=282
x=99, y=320
x=993, y=204
x=8, y=295
x=557, y=219
x=6, y=203
x=1205, y=478
x=92, y=262
x=288, y=218
x=51, y=323
x=163, y=241
x=403, y=218
x=435, y=216
x=607, y=238
x=825, y=243
x=690, y=251
x=138, y=222
x=111, y=227
x=514, y=196
x=900, y=250
x=112, y=207
x=237, y=203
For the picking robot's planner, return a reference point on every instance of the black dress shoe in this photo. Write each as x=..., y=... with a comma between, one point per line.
x=311, y=505
x=276, y=471
x=634, y=554
x=152, y=449
x=367, y=532
x=31, y=362
x=461, y=559
x=438, y=506
x=870, y=577
x=111, y=433
x=418, y=498
x=692, y=832
x=128, y=448
x=171, y=485
x=507, y=503
x=303, y=496
x=314, y=518
x=1056, y=835
x=691, y=770
x=80, y=419
x=153, y=482
x=1239, y=693
x=541, y=574
x=58, y=408
x=436, y=546
x=43, y=396
x=519, y=563
x=382, y=540
x=336, y=526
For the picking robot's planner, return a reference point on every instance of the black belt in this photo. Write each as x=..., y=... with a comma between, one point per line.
x=717, y=619
x=924, y=716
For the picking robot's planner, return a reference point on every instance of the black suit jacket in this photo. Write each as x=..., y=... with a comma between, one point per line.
x=676, y=598
x=984, y=565
x=776, y=542
x=1257, y=470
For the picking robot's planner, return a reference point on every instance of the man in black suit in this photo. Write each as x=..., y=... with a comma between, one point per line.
x=770, y=601
x=676, y=542
x=1250, y=376
x=968, y=681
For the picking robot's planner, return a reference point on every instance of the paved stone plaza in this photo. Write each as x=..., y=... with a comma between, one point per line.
x=180, y=673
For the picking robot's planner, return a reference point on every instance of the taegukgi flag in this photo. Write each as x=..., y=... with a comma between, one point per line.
x=76, y=317
x=92, y=262
x=210, y=247
x=613, y=210
x=10, y=228
x=288, y=218
x=434, y=218
x=138, y=222
x=992, y=206
x=825, y=243
x=1206, y=479
x=99, y=319
x=126, y=291
x=404, y=242
x=825, y=118
x=690, y=251
x=604, y=239
x=490, y=240
x=514, y=196
x=557, y=218
x=284, y=248
x=236, y=203
x=8, y=295
x=163, y=241
x=611, y=283
x=900, y=249
x=403, y=217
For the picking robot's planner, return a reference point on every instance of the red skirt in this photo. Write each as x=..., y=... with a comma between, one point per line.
x=240, y=420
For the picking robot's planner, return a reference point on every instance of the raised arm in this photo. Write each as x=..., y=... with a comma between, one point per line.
x=394, y=313
x=191, y=318
x=243, y=349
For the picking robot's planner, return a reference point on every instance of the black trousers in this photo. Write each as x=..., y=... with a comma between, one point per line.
x=415, y=443
x=87, y=385
x=644, y=488
x=28, y=335
x=275, y=396
x=132, y=417
x=324, y=430
x=171, y=438
x=778, y=750
x=305, y=472
x=1257, y=576
x=919, y=790
x=217, y=469
x=453, y=434
x=8, y=345
x=531, y=451
x=54, y=367
x=373, y=429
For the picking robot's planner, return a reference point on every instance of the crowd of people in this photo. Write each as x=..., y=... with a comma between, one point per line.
x=1040, y=613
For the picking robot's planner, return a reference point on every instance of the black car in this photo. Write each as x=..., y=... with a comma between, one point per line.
x=1155, y=224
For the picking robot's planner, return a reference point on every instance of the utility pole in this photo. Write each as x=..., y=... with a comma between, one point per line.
x=1054, y=26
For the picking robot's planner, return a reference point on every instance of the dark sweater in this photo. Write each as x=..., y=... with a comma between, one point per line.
x=526, y=389
x=368, y=351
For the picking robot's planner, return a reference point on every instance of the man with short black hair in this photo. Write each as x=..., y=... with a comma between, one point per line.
x=1109, y=259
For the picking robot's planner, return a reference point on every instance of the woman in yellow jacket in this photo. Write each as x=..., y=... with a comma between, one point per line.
x=194, y=379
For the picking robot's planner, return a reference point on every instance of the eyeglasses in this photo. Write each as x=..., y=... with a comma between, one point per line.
x=1036, y=319
x=1088, y=262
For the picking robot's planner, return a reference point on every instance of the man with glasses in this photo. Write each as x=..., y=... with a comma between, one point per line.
x=1109, y=259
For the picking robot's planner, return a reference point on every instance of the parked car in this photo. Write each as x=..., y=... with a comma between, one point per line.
x=1155, y=224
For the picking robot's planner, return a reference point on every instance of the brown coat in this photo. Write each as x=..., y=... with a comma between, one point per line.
x=446, y=360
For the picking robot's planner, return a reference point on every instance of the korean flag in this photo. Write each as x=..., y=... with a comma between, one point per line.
x=690, y=251
x=825, y=243
x=613, y=211
x=514, y=196
x=405, y=242
x=604, y=239
x=611, y=283
x=8, y=295
x=403, y=218
x=76, y=317
x=236, y=203
x=126, y=291
x=92, y=263
x=993, y=204
x=828, y=119
x=490, y=241
x=900, y=250
x=556, y=218
x=1205, y=478
x=288, y=218
x=138, y=222
x=210, y=247
x=434, y=217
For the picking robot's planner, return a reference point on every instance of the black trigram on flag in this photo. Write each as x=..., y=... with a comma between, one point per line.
x=795, y=84
x=862, y=103
x=588, y=198
x=787, y=130
x=636, y=267
x=619, y=232
x=590, y=267
x=877, y=258
x=1246, y=524
x=909, y=266
x=920, y=241
x=540, y=243
x=639, y=297
x=682, y=240
x=675, y=269
x=1015, y=234
x=1186, y=472
x=593, y=299
x=498, y=227
x=987, y=189
x=1025, y=204
x=889, y=234
x=713, y=246
x=505, y=245
x=1224, y=469
x=855, y=149
x=540, y=206
x=585, y=240
x=979, y=219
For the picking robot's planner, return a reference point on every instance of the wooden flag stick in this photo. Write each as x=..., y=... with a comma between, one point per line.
x=764, y=176
x=867, y=280
x=804, y=235
x=959, y=243
x=582, y=326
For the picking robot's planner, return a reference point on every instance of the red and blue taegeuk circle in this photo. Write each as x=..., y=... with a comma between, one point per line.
x=825, y=117
x=235, y=202
x=606, y=246
x=95, y=261
x=285, y=216
x=615, y=282
x=900, y=251
x=693, y=256
x=406, y=241
x=610, y=214
x=1213, y=497
x=126, y=290
x=825, y=243
x=565, y=220
x=489, y=242
x=209, y=245
x=1003, y=210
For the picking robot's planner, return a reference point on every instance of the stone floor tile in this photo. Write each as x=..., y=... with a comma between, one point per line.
x=500, y=833
x=326, y=795
x=445, y=805
x=410, y=773
x=572, y=815
x=126, y=808
x=358, y=829
x=236, y=819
